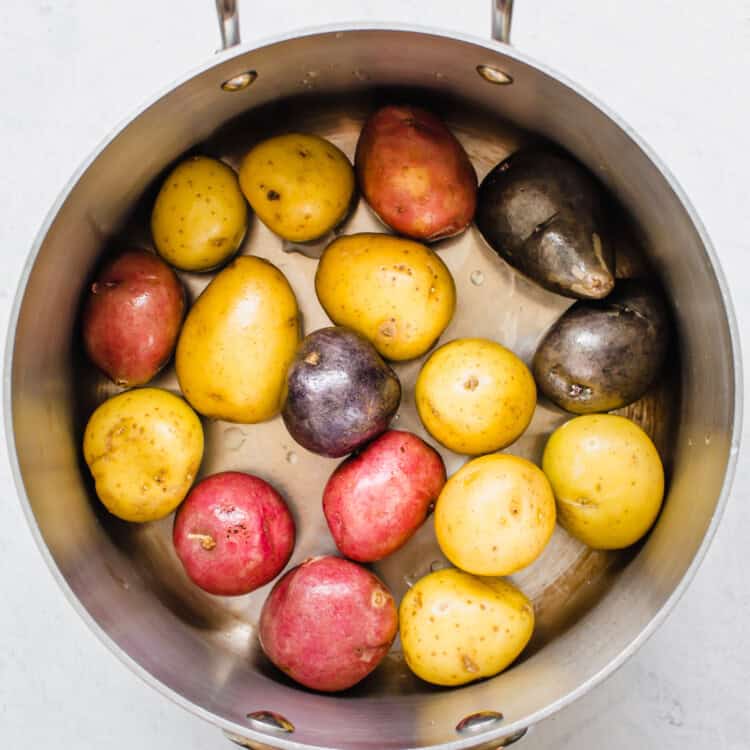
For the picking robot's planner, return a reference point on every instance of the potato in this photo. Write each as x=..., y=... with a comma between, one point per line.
x=603, y=355
x=395, y=292
x=238, y=341
x=328, y=623
x=495, y=515
x=377, y=499
x=340, y=393
x=543, y=213
x=143, y=448
x=131, y=317
x=200, y=217
x=233, y=534
x=414, y=173
x=475, y=396
x=300, y=186
x=607, y=478
x=457, y=628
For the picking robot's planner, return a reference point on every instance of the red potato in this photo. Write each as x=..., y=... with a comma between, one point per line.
x=328, y=623
x=131, y=317
x=233, y=534
x=376, y=500
x=415, y=174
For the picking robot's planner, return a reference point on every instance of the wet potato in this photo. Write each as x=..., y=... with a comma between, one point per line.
x=300, y=186
x=543, y=213
x=603, y=355
x=397, y=293
x=457, y=628
x=143, y=448
x=237, y=343
x=199, y=218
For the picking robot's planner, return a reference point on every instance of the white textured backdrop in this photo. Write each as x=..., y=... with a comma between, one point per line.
x=676, y=70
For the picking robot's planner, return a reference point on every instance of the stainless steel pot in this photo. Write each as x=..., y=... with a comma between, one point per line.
x=594, y=609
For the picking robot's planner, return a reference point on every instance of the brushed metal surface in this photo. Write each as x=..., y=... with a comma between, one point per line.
x=593, y=608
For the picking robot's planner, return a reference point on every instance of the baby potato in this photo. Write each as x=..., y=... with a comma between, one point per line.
x=607, y=478
x=200, y=217
x=456, y=628
x=395, y=292
x=237, y=342
x=475, y=396
x=143, y=448
x=495, y=515
x=301, y=186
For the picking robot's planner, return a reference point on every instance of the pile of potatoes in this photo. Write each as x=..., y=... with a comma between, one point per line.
x=240, y=356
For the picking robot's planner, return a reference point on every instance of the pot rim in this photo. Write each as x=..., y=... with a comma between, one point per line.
x=492, y=46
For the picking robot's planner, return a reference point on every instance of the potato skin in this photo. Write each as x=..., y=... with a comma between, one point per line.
x=475, y=396
x=143, y=448
x=607, y=478
x=395, y=292
x=414, y=173
x=377, y=499
x=543, y=213
x=495, y=515
x=131, y=317
x=199, y=218
x=340, y=392
x=233, y=534
x=603, y=355
x=300, y=186
x=237, y=342
x=328, y=623
x=457, y=628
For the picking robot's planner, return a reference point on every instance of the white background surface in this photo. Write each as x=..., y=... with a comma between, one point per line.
x=676, y=70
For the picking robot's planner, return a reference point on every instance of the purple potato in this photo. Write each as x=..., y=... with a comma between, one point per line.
x=340, y=392
x=603, y=355
x=543, y=213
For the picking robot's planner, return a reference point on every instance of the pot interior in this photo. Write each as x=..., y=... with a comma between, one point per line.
x=591, y=607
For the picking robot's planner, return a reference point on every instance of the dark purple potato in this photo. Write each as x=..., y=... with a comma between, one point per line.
x=544, y=214
x=603, y=355
x=341, y=393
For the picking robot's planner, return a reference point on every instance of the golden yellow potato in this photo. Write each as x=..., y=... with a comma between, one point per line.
x=495, y=515
x=475, y=396
x=143, y=448
x=456, y=628
x=200, y=217
x=300, y=186
x=395, y=292
x=607, y=478
x=237, y=342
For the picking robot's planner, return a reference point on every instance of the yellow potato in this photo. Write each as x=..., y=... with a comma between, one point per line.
x=475, y=396
x=238, y=341
x=495, y=515
x=200, y=217
x=395, y=292
x=456, y=628
x=143, y=448
x=300, y=186
x=607, y=478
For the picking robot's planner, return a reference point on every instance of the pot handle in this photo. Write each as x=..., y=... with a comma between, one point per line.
x=229, y=21
x=502, y=15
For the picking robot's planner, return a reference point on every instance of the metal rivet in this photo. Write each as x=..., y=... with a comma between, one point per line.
x=240, y=82
x=479, y=722
x=264, y=720
x=494, y=75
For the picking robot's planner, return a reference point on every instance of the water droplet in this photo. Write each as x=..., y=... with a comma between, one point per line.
x=436, y=565
x=440, y=76
x=411, y=578
x=690, y=443
x=707, y=439
x=432, y=290
x=312, y=74
x=477, y=278
x=292, y=457
x=360, y=75
x=234, y=438
x=396, y=417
